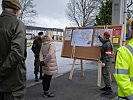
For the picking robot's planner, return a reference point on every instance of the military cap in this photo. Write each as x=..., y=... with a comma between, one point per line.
x=15, y=4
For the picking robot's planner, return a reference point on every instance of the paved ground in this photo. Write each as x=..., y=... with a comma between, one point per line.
x=79, y=88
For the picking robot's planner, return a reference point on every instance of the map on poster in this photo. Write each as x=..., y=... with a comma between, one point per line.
x=82, y=37
x=100, y=32
x=68, y=34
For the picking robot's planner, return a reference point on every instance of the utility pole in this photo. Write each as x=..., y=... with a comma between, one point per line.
x=124, y=21
x=119, y=14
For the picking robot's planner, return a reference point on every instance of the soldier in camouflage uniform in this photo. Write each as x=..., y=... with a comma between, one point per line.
x=106, y=59
x=12, y=51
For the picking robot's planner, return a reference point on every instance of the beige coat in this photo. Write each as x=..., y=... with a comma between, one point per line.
x=48, y=55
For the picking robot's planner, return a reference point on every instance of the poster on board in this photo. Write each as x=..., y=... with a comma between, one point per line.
x=100, y=32
x=82, y=37
x=68, y=34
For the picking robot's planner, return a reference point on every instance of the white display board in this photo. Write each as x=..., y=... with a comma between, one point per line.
x=68, y=34
x=82, y=37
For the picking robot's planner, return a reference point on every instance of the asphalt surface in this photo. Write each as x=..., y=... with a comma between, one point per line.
x=79, y=88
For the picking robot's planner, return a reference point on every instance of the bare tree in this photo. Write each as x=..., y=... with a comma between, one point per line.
x=129, y=3
x=27, y=12
x=129, y=9
x=82, y=12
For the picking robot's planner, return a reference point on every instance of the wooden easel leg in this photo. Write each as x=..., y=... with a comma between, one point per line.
x=82, y=70
x=71, y=73
x=99, y=74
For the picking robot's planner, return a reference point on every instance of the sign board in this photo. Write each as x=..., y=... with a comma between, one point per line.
x=83, y=43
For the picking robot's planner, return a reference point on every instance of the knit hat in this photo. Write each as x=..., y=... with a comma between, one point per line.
x=40, y=33
x=15, y=4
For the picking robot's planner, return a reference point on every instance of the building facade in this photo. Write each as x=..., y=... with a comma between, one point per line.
x=32, y=31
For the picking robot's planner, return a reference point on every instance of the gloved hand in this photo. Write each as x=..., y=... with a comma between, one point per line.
x=99, y=36
x=42, y=63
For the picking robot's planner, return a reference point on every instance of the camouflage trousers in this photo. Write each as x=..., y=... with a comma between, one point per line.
x=106, y=74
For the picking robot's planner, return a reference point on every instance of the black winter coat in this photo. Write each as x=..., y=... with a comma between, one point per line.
x=36, y=47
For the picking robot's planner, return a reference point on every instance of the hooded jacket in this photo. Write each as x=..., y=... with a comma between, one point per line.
x=48, y=56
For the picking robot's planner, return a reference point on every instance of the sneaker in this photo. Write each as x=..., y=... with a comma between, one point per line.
x=48, y=94
x=104, y=88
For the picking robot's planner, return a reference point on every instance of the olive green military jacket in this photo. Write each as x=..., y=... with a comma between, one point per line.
x=106, y=47
x=12, y=49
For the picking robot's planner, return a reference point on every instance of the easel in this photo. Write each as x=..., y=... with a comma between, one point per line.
x=82, y=52
x=72, y=69
x=74, y=60
x=99, y=76
x=82, y=71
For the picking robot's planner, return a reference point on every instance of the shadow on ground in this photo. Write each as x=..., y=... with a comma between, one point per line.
x=79, y=88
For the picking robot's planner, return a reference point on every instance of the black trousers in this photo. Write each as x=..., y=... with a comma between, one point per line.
x=106, y=74
x=36, y=65
x=46, y=82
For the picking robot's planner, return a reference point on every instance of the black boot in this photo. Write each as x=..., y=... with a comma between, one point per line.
x=40, y=77
x=36, y=78
x=108, y=91
x=104, y=88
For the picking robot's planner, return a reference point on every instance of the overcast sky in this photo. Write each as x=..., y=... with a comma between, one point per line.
x=51, y=13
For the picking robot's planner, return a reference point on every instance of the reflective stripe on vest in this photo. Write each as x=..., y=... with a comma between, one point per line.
x=129, y=48
x=121, y=71
x=124, y=72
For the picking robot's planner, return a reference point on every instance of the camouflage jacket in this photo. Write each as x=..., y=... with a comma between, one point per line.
x=12, y=51
x=107, y=46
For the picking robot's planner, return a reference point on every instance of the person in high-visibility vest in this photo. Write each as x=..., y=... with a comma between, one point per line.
x=124, y=70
